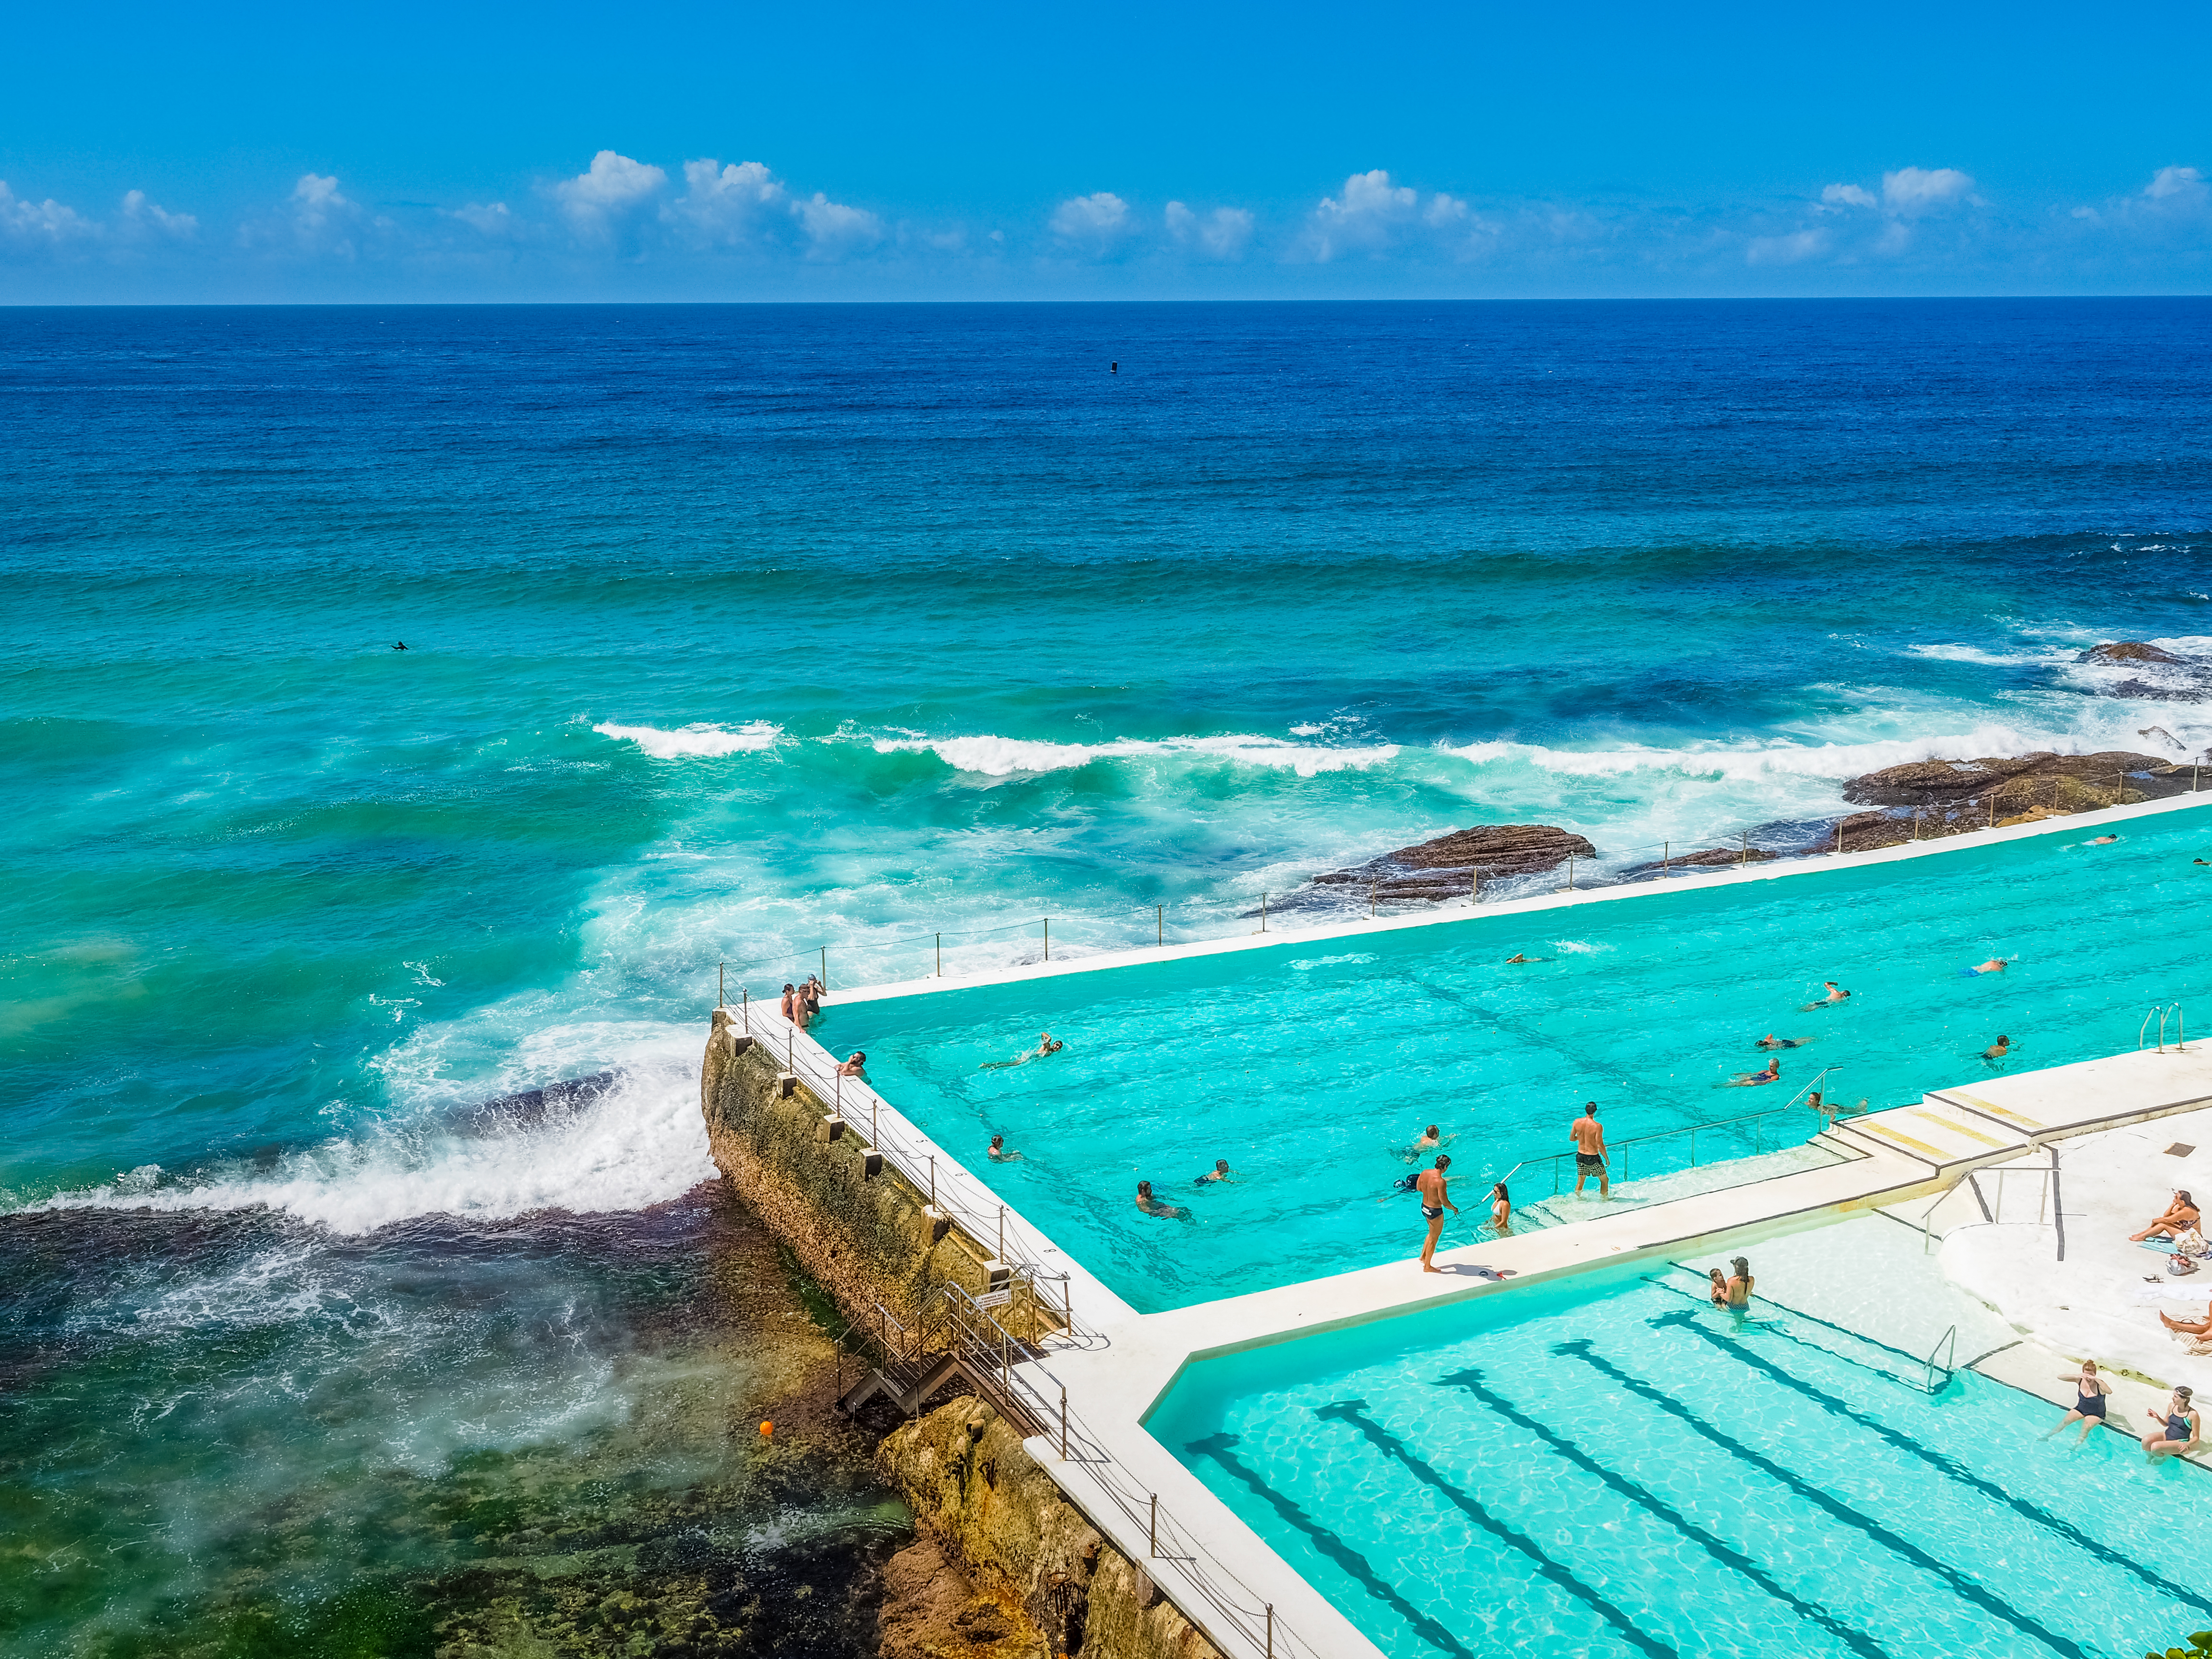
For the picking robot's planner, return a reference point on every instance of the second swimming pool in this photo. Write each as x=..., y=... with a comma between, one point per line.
x=1312, y=1067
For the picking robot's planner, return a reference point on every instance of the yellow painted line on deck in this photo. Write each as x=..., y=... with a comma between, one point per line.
x=1997, y=1110
x=1960, y=1128
x=1902, y=1140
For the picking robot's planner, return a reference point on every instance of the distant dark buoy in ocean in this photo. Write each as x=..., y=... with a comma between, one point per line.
x=401, y=645
x=1114, y=369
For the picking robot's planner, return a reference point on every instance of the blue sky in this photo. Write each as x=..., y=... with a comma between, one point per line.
x=681, y=152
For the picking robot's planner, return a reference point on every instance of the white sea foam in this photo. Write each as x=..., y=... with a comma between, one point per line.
x=1001, y=757
x=1578, y=947
x=641, y=1143
x=697, y=739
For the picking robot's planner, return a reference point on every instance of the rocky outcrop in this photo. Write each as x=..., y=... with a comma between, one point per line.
x=1039, y=1578
x=1937, y=782
x=1713, y=858
x=2129, y=651
x=1446, y=868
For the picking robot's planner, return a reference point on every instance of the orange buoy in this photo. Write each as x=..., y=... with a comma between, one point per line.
x=768, y=1428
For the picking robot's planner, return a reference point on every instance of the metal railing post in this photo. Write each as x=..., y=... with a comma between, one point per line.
x=1271, y=1631
x=1159, y=924
x=932, y=1180
x=1063, y=1422
x=1048, y=939
x=745, y=1008
x=940, y=956
x=721, y=993
x=1263, y=912
x=825, y=967
x=1571, y=872
x=1152, y=1538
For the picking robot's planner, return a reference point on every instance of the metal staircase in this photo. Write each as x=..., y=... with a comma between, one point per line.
x=957, y=1338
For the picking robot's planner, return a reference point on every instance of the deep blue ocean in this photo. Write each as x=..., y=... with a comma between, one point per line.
x=735, y=634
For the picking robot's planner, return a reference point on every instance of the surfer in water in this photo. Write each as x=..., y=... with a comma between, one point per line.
x=1047, y=1044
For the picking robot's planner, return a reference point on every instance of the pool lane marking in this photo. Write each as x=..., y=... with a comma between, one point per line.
x=1960, y=1128
x=1353, y=1412
x=1330, y=1544
x=1991, y=1107
x=1722, y=1550
x=1942, y=1461
x=1580, y=1348
x=1866, y=1126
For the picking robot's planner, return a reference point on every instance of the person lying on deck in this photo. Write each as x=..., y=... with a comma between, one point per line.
x=2189, y=1326
x=2180, y=1215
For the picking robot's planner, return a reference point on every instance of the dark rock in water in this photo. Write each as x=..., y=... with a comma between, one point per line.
x=1446, y=868
x=2161, y=693
x=1924, y=783
x=532, y=1104
x=1714, y=857
x=2129, y=651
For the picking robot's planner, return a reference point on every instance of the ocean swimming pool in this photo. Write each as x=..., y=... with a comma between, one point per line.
x=1614, y=1467
x=1312, y=1066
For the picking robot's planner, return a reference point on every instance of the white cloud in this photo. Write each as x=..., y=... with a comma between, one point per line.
x=46, y=221
x=1793, y=249
x=1848, y=196
x=736, y=203
x=1099, y=217
x=138, y=211
x=1221, y=234
x=316, y=197
x=2174, y=182
x=490, y=217
x=1922, y=190
x=832, y=228
x=611, y=186
x=1362, y=216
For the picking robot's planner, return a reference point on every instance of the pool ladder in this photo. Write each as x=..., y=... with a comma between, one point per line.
x=1947, y=1345
x=2161, y=1013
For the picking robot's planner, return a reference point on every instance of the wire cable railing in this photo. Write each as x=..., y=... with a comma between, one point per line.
x=1090, y=933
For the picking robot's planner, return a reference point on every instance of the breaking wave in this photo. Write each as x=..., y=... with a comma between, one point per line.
x=698, y=738
x=1001, y=757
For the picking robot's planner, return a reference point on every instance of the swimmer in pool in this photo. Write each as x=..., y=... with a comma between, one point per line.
x=1716, y=1287
x=998, y=1152
x=1218, y=1172
x=2100, y=841
x=1501, y=1211
x=1047, y=1044
x=1994, y=965
x=1753, y=1080
x=1771, y=1042
x=1151, y=1206
x=1517, y=957
x=853, y=1067
x=1835, y=994
x=1998, y=1049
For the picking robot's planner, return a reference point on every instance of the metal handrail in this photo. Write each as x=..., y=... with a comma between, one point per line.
x=1556, y=1158
x=2162, y=1013
x=1950, y=1360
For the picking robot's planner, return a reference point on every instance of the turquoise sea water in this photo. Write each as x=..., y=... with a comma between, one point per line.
x=1313, y=1067
x=735, y=632
x=1629, y=1471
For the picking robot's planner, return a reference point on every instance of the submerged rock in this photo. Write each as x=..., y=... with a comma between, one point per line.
x=1446, y=866
x=2129, y=651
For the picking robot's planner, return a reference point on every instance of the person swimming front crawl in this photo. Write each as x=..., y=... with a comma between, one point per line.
x=1218, y=1172
x=1771, y=1042
x=1994, y=965
x=1835, y=994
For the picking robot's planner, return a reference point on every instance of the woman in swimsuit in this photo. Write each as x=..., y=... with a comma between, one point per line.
x=2180, y=1215
x=2089, y=1391
x=2177, y=1431
x=1501, y=1211
x=1740, y=1287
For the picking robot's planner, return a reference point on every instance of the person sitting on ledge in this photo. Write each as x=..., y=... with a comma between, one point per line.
x=998, y=1152
x=2188, y=1327
x=1151, y=1206
x=1219, y=1172
x=2180, y=1215
x=2178, y=1428
x=2089, y=1391
x=852, y=1067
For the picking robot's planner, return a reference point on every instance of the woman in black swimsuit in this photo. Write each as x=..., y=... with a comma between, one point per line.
x=2089, y=1391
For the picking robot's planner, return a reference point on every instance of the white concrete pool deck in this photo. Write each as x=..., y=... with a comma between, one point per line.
x=1901, y=1157
x=1909, y=1153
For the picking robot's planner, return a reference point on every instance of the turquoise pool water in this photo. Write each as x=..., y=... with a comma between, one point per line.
x=1628, y=1471
x=1308, y=1065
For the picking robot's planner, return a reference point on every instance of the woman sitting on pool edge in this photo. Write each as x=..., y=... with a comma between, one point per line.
x=2180, y=1216
x=2089, y=1391
x=2178, y=1431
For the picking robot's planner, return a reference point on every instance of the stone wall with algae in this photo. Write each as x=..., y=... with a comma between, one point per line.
x=862, y=1232
x=987, y=1504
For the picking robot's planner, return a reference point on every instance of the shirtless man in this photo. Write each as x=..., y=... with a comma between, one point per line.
x=1994, y=965
x=1436, y=1199
x=2100, y=841
x=852, y=1067
x=1219, y=1172
x=998, y=1153
x=1517, y=957
x=1998, y=1049
x=1151, y=1206
x=1835, y=994
x=1589, y=1151
x=1771, y=1042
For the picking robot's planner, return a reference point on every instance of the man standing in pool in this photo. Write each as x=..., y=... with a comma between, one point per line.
x=1589, y=1152
x=1436, y=1199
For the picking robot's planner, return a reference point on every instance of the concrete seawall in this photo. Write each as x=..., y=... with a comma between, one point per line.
x=870, y=1239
